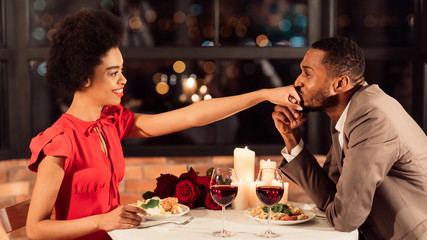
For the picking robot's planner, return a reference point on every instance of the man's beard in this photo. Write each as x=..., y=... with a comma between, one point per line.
x=320, y=96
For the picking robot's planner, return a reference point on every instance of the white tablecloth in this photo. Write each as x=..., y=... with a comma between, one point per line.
x=208, y=221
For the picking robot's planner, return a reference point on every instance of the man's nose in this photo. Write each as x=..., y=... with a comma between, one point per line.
x=298, y=82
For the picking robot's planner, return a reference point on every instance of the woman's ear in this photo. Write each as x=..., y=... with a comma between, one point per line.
x=87, y=83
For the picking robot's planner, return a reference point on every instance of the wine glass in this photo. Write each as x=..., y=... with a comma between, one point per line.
x=223, y=189
x=269, y=190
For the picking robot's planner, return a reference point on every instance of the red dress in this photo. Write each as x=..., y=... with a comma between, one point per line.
x=90, y=184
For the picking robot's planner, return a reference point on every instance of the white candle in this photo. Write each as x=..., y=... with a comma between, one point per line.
x=268, y=175
x=284, y=199
x=244, y=164
x=253, y=199
x=267, y=164
x=241, y=201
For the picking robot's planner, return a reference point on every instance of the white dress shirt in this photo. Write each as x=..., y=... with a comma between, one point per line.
x=339, y=126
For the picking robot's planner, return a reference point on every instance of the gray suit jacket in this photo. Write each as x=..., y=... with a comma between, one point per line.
x=378, y=182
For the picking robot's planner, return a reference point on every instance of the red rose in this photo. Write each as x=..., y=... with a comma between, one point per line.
x=187, y=192
x=210, y=203
x=166, y=185
x=191, y=176
x=205, y=181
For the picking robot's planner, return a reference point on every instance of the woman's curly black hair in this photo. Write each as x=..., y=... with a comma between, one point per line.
x=77, y=47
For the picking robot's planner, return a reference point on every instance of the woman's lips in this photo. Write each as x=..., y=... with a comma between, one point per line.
x=118, y=92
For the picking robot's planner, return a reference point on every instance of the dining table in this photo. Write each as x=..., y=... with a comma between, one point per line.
x=200, y=223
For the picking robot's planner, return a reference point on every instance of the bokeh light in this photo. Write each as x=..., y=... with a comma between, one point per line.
x=262, y=40
x=162, y=88
x=39, y=33
x=209, y=67
x=41, y=69
x=203, y=89
x=150, y=16
x=172, y=79
x=179, y=17
x=135, y=23
x=157, y=77
x=39, y=5
x=179, y=66
x=285, y=25
x=207, y=44
x=195, y=98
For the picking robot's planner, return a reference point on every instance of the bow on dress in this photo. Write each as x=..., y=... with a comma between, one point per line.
x=105, y=121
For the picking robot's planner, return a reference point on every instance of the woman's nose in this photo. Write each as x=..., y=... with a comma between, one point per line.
x=123, y=80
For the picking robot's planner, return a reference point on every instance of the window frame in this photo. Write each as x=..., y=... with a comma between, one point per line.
x=16, y=55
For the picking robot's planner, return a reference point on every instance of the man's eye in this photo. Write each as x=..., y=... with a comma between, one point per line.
x=306, y=73
x=114, y=74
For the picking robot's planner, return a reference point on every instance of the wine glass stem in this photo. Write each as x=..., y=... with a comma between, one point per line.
x=268, y=221
x=223, y=219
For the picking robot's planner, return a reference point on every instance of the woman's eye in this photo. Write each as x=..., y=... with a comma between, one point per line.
x=114, y=74
x=306, y=73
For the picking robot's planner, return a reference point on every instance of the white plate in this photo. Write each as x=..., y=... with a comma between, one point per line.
x=185, y=210
x=310, y=215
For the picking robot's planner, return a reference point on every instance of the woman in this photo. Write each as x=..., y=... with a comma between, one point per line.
x=79, y=159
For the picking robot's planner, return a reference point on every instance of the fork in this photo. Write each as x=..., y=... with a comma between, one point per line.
x=148, y=224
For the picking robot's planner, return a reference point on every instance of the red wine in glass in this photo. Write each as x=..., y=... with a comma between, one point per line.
x=224, y=194
x=269, y=195
x=223, y=190
x=269, y=190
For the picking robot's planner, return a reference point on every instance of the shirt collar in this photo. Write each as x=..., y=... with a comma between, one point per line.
x=339, y=126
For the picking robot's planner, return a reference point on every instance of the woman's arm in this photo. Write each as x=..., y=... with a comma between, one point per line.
x=209, y=111
x=39, y=223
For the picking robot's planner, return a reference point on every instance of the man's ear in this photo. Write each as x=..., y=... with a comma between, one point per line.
x=342, y=84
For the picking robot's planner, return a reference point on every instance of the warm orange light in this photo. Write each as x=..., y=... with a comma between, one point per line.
x=209, y=67
x=179, y=66
x=262, y=40
x=162, y=88
x=179, y=17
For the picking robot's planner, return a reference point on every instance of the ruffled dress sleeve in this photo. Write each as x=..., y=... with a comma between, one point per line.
x=51, y=142
x=124, y=118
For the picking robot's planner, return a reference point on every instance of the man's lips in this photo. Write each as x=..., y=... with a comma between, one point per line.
x=298, y=90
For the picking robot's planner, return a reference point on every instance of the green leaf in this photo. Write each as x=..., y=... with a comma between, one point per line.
x=265, y=209
x=209, y=172
x=221, y=181
x=151, y=204
x=277, y=208
x=286, y=210
x=148, y=195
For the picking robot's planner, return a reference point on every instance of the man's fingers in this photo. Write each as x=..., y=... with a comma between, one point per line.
x=279, y=117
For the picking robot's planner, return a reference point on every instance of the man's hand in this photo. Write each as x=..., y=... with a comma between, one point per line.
x=285, y=121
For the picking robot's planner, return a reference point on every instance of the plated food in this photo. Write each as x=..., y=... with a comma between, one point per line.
x=280, y=214
x=157, y=208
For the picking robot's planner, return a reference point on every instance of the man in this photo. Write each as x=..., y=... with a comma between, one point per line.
x=375, y=175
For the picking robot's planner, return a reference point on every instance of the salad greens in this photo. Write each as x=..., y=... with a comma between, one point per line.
x=151, y=204
x=279, y=208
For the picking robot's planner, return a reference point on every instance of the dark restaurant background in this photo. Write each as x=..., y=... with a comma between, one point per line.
x=179, y=52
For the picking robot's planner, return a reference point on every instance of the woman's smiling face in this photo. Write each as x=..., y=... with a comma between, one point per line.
x=107, y=82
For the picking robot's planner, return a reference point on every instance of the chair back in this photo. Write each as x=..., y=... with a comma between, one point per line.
x=13, y=217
